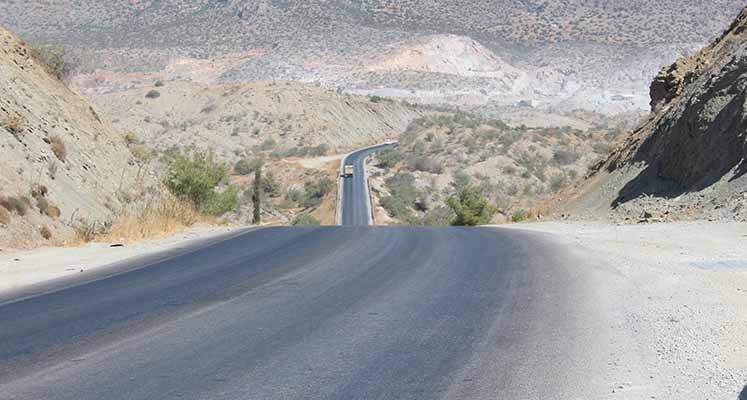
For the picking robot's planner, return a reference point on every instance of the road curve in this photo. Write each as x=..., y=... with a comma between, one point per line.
x=312, y=313
x=356, y=207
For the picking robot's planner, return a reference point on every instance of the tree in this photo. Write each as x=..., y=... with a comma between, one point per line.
x=257, y=196
x=195, y=178
x=471, y=207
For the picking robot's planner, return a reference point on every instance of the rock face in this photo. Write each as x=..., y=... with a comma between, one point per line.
x=689, y=157
x=60, y=162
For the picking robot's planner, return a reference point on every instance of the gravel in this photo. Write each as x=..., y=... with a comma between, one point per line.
x=679, y=291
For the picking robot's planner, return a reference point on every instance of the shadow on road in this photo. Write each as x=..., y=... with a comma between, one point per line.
x=743, y=394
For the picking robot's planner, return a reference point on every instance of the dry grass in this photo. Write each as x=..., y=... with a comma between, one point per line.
x=4, y=216
x=155, y=217
x=58, y=147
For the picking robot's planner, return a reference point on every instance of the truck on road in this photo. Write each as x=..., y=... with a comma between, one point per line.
x=347, y=171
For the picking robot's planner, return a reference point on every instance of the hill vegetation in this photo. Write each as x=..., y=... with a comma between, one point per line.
x=455, y=154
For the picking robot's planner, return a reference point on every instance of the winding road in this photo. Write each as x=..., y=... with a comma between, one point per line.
x=356, y=207
x=350, y=312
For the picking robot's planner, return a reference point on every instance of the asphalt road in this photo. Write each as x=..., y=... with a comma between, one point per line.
x=310, y=313
x=355, y=204
x=351, y=312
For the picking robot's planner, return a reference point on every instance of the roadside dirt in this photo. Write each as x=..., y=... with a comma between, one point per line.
x=679, y=292
x=23, y=268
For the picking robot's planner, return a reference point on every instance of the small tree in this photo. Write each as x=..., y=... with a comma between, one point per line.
x=471, y=207
x=257, y=195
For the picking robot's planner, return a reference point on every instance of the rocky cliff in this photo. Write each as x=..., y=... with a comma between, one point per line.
x=61, y=163
x=687, y=160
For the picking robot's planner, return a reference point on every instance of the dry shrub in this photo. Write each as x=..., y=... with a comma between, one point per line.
x=88, y=231
x=15, y=204
x=42, y=204
x=4, y=216
x=154, y=217
x=39, y=191
x=58, y=147
x=53, y=211
x=15, y=123
x=45, y=232
x=5, y=203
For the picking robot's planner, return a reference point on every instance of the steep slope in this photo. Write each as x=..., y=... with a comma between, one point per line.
x=688, y=160
x=60, y=163
x=284, y=118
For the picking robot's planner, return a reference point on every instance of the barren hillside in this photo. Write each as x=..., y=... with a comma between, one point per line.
x=688, y=160
x=279, y=119
x=553, y=55
x=61, y=164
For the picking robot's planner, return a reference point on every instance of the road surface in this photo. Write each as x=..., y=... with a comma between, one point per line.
x=351, y=312
x=356, y=209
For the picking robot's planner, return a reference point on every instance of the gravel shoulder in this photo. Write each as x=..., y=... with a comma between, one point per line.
x=679, y=292
x=23, y=268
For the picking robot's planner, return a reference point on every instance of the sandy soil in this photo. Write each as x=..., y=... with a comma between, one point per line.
x=23, y=268
x=676, y=293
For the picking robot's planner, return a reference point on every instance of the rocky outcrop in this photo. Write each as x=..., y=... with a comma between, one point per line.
x=692, y=150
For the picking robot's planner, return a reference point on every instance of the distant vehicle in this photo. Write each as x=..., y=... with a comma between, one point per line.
x=347, y=171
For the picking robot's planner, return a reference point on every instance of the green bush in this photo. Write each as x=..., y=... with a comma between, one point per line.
x=268, y=144
x=389, y=158
x=425, y=164
x=557, y=182
x=245, y=166
x=461, y=179
x=471, y=207
x=315, y=191
x=565, y=157
x=195, y=178
x=403, y=196
x=519, y=215
x=397, y=207
x=305, y=220
x=153, y=94
x=218, y=204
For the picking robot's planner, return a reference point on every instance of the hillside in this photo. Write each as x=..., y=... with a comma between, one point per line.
x=689, y=159
x=62, y=165
x=514, y=167
x=280, y=119
x=552, y=55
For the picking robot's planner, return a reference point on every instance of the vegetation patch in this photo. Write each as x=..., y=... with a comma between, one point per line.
x=471, y=207
x=45, y=233
x=305, y=220
x=196, y=177
x=58, y=147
